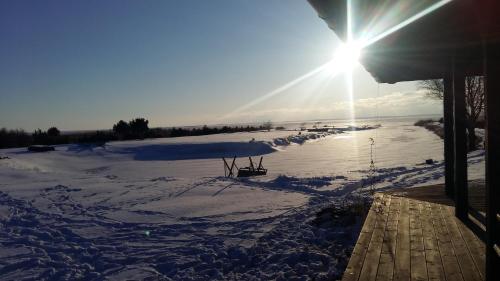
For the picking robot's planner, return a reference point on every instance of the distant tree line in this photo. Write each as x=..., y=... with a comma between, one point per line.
x=20, y=138
x=137, y=128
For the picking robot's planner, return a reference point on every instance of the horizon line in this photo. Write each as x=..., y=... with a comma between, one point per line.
x=249, y=123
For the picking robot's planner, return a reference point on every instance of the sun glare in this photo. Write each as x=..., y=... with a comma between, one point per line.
x=346, y=57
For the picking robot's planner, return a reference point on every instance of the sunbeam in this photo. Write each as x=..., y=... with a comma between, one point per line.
x=345, y=59
x=306, y=94
x=404, y=23
x=277, y=90
x=319, y=92
x=352, y=52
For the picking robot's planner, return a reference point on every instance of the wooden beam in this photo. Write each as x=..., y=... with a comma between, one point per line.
x=449, y=169
x=460, y=143
x=492, y=141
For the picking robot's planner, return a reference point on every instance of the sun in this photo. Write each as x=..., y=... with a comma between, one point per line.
x=346, y=57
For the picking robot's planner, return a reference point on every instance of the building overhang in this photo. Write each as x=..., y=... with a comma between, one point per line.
x=422, y=48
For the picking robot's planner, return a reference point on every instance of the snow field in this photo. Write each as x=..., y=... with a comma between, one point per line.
x=160, y=209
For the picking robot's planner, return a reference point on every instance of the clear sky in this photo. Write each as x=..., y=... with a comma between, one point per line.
x=87, y=64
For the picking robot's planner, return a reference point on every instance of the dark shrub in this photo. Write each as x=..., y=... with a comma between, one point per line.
x=14, y=138
x=423, y=122
x=122, y=129
x=53, y=132
x=40, y=137
x=267, y=125
x=139, y=127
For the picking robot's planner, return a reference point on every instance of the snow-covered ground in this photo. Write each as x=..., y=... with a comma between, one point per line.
x=161, y=209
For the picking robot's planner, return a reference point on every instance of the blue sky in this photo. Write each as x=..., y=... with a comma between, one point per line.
x=87, y=64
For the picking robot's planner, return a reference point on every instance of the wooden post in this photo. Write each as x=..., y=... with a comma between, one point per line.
x=460, y=144
x=449, y=174
x=492, y=143
x=225, y=166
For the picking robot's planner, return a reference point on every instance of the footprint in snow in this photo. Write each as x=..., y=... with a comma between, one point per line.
x=165, y=179
x=97, y=170
x=60, y=187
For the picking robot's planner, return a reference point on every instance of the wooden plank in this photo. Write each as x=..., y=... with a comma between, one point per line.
x=358, y=254
x=370, y=265
x=402, y=260
x=450, y=263
x=386, y=265
x=417, y=251
x=474, y=244
x=468, y=268
x=433, y=260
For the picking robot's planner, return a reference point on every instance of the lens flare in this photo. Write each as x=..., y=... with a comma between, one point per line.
x=345, y=59
x=406, y=22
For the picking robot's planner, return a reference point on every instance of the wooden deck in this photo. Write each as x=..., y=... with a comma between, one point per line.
x=414, y=235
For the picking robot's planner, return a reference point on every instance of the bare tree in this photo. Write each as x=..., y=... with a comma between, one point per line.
x=268, y=125
x=474, y=100
x=434, y=88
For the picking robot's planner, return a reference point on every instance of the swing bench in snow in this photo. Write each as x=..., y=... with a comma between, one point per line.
x=249, y=171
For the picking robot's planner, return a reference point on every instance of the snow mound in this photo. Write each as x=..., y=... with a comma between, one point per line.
x=300, y=139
